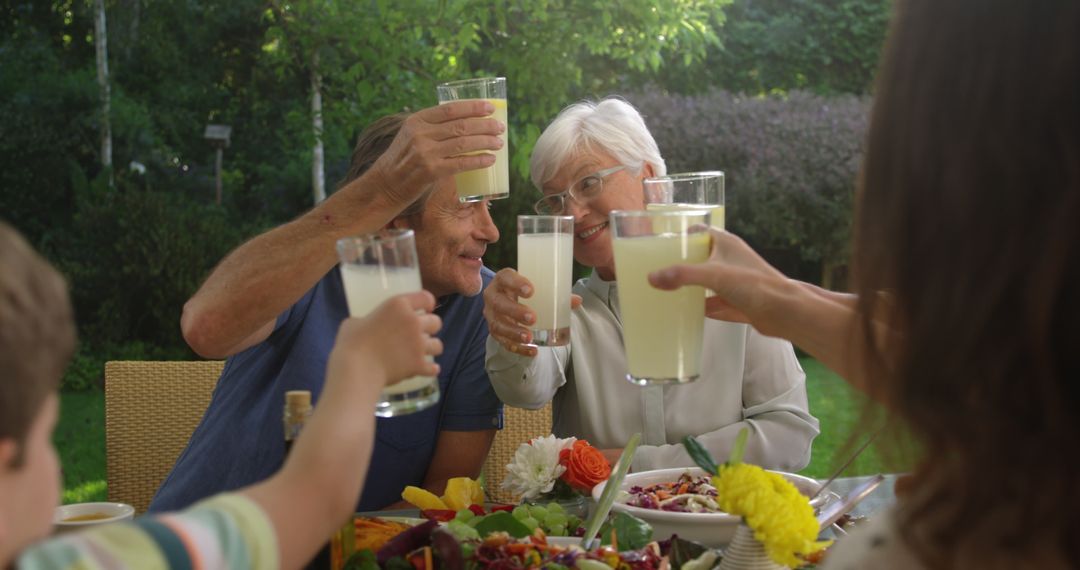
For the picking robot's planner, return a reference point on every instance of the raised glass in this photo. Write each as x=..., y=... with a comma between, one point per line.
x=492, y=182
x=546, y=258
x=688, y=191
x=375, y=267
x=662, y=330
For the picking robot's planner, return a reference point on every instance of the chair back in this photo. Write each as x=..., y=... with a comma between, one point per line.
x=151, y=410
x=519, y=426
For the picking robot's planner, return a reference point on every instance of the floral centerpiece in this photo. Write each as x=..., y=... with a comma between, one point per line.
x=552, y=469
x=778, y=521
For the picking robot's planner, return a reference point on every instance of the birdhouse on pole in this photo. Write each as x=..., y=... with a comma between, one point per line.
x=218, y=135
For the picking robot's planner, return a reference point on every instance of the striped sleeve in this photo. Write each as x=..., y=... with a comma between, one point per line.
x=226, y=531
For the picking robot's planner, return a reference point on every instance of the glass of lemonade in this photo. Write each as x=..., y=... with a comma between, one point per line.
x=662, y=330
x=546, y=258
x=375, y=267
x=688, y=191
x=492, y=182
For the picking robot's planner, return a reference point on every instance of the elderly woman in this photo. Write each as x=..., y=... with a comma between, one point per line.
x=589, y=161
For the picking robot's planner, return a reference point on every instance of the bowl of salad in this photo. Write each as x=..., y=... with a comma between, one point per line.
x=682, y=501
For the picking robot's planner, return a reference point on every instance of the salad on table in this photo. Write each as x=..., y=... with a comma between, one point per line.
x=688, y=494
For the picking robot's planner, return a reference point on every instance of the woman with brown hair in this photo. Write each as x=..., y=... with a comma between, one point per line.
x=965, y=319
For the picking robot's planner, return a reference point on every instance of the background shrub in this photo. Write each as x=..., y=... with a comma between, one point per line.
x=133, y=256
x=790, y=164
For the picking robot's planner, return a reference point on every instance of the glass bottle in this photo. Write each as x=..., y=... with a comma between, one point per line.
x=297, y=412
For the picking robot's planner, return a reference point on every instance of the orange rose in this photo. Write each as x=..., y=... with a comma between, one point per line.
x=585, y=466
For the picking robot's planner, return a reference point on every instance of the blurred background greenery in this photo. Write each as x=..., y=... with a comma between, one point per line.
x=774, y=92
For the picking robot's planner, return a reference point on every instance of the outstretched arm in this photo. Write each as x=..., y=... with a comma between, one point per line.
x=319, y=485
x=235, y=308
x=749, y=290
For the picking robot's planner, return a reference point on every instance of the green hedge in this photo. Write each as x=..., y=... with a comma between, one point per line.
x=790, y=163
x=133, y=256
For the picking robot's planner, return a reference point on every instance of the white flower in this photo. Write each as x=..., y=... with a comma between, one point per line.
x=535, y=466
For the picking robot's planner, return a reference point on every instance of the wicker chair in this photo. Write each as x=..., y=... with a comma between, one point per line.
x=151, y=409
x=519, y=426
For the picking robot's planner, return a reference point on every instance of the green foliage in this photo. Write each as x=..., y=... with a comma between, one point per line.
x=767, y=46
x=87, y=368
x=177, y=66
x=134, y=256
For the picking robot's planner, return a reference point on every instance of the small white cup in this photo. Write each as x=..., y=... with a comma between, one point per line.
x=82, y=515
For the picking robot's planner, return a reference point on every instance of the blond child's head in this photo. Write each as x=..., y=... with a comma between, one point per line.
x=37, y=337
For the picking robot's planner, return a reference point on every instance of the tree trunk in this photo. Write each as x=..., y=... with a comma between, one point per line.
x=318, y=177
x=133, y=30
x=101, y=48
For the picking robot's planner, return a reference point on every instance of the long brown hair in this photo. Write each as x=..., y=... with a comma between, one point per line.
x=969, y=216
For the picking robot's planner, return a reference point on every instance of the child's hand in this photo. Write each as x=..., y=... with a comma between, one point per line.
x=396, y=337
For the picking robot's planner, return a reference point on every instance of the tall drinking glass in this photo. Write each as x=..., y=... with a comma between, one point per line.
x=662, y=330
x=492, y=182
x=546, y=258
x=688, y=191
x=375, y=267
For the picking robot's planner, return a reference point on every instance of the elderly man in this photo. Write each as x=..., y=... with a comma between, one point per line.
x=273, y=306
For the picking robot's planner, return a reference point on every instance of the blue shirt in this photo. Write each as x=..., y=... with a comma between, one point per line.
x=240, y=439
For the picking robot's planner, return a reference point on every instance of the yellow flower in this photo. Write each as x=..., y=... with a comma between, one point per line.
x=779, y=515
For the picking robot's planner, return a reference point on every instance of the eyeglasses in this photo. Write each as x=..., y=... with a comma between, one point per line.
x=581, y=191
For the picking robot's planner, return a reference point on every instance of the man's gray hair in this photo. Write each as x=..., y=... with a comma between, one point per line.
x=611, y=125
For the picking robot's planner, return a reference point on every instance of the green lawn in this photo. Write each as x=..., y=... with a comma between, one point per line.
x=80, y=440
x=80, y=435
x=838, y=408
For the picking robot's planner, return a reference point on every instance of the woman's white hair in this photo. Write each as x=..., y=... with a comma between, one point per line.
x=611, y=125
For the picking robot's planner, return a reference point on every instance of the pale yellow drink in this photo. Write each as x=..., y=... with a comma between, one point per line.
x=662, y=330
x=493, y=181
x=546, y=260
x=366, y=286
x=716, y=219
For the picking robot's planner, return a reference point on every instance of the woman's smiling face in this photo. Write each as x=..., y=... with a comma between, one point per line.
x=621, y=191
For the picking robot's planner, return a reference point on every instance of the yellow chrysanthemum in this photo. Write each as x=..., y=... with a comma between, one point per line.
x=779, y=515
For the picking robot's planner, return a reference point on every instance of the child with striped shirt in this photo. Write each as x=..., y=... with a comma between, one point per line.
x=280, y=522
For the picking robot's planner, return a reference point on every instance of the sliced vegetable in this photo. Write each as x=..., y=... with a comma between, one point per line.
x=447, y=549
x=441, y=515
x=683, y=551
x=422, y=498
x=611, y=490
x=361, y=560
x=503, y=521
x=461, y=492
x=699, y=454
x=630, y=532
x=406, y=542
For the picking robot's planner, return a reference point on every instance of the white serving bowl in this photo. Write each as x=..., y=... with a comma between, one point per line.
x=710, y=529
x=109, y=512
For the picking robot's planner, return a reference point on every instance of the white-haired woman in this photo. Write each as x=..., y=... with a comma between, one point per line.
x=589, y=161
